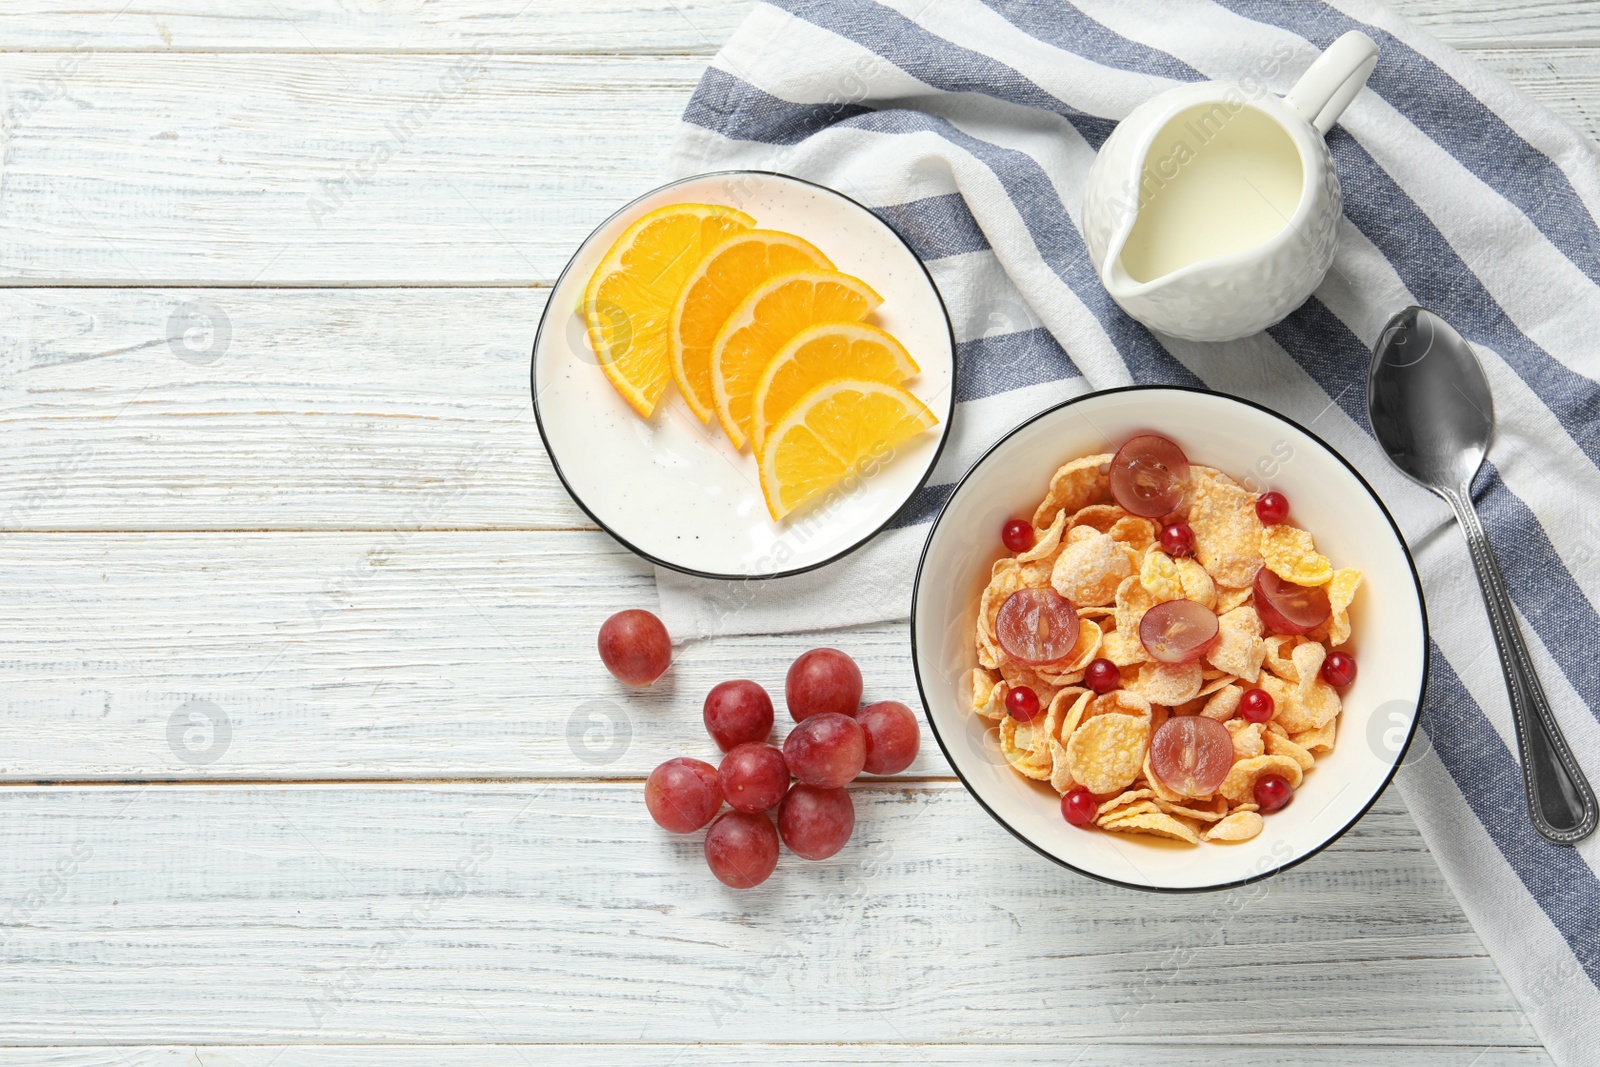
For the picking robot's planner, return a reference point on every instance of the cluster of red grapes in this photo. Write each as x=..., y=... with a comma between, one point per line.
x=835, y=739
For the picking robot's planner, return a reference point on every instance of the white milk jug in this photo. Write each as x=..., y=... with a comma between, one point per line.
x=1212, y=211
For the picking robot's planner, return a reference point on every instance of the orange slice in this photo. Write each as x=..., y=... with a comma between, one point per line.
x=731, y=272
x=764, y=323
x=845, y=427
x=819, y=354
x=627, y=305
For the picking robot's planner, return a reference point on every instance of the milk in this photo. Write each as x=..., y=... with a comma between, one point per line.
x=1215, y=182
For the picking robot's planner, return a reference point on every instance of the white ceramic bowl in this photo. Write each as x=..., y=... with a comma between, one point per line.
x=677, y=492
x=1327, y=497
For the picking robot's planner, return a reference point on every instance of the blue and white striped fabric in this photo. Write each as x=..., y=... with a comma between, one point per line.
x=971, y=124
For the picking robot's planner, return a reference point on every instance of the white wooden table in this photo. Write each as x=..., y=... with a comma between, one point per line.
x=308, y=755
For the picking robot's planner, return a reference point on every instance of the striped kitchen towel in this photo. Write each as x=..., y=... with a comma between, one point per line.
x=970, y=126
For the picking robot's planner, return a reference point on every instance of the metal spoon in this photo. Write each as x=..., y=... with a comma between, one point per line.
x=1431, y=409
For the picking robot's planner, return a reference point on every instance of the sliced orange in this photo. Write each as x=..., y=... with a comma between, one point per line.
x=627, y=305
x=843, y=427
x=819, y=354
x=764, y=322
x=732, y=271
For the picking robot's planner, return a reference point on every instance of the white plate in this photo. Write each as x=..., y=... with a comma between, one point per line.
x=677, y=492
x=1326, y=496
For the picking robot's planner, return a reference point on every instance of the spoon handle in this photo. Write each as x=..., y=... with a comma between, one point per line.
x=1559, y=798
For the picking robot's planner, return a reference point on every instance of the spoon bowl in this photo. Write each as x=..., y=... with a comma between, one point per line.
x=1433, y=413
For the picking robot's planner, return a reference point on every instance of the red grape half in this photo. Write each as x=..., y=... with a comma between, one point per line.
x=1149, y=475
x=1037, y=626
x=1192, y=754
x=1178, y=631
x=1286, y=608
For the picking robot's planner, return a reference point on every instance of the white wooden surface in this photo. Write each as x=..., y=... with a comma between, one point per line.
x=308, y=758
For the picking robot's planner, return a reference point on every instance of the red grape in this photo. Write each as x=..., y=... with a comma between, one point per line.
x=1192, y=754
x=1178, y=631
x=1286, y=608
x=892, y=736
x=742, y=849
x=736, y=712
x=1149, y=475
x=816, y=822
x=1257, y=705
x=1017, y=535
x=1022, y=703
x=1079, y=806
x=753, y=777
x=1037, y=626
x=827, y=750
x=1272, y=508
x=1102, y=676
x=1177, y=539
x=682, y=794
x=1273, y=791
x=1339, y=669
x=823, y=679
x=635, y=647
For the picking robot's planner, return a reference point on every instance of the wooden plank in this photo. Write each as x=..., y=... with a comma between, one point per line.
x=1565, y=80
x=993, y=1055
x=332, y=170
x=358, y=655
x=365, y=169
x=558, y=912
x=272, y=409
x=506, y=26
x=1472, y=24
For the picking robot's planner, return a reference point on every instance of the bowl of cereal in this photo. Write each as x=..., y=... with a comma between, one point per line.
x=1169, y=639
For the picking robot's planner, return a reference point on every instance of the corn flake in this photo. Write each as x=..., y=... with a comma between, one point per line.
x=1159, y=576
x=1154, y=822
x=1341, y=591
x=1090, y=569
x=1197, y=584
x=1107, y=751
x=1168, y=683
x=1240, y=783
x=1291, y=554
x=1238, y=648
x=1074, y=486
x=1239, y=826
x=1224, y=703
x=1227, y=534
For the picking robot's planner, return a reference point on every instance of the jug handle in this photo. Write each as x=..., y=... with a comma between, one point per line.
x=1328, y=86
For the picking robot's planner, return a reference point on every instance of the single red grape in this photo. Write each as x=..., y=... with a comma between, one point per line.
x=892, y=736
x=635, y=647
x=1079, y=806
x=682, y=794
x=1286, y=608
x=1149, y=475
x=821, y=680
x=742, y=849
x=1102, y=676
x=1178, y=631
x=1037, y=626
x=1192, y=754
x=736, y=712
x=1257, y=705
x=1022, y=703
x=815, y=822
x=1017, y=535
x=1273, y=791
x=1272, y=508
x=753, y=777
x=826, y=750
x=1339, y=669
x=1177, y=539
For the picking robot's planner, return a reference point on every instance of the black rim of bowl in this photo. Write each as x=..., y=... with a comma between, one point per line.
x=933, y=461
x=922, y=693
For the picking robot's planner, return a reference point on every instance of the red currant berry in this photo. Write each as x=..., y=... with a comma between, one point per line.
x=1273, y=791
x=1102, y=676
x=1079, y=806
x=1272, y=508
x=1017, y=534
x=1339, y=669
x=1177, y=539
x=1023, y=703
x=1257, y=705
